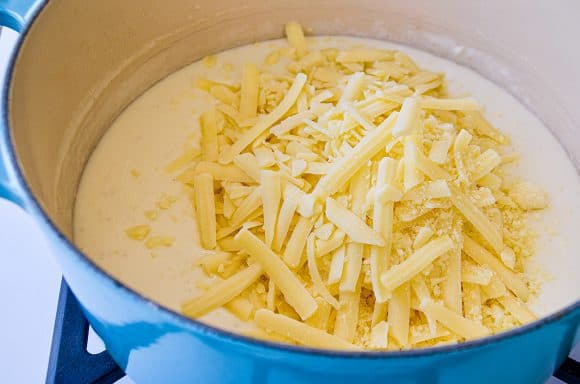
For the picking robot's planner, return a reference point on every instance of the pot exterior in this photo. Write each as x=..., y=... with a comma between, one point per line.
x=153, y=346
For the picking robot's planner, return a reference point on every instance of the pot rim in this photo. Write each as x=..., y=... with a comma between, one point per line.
x=198, y=326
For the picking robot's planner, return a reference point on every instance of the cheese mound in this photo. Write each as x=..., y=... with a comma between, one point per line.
x=350, y=203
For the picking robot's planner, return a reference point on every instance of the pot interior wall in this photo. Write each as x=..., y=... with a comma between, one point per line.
x=82, y=62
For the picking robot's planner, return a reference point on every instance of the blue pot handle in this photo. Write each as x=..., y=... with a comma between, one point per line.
x=15, y=14
x=9, y=190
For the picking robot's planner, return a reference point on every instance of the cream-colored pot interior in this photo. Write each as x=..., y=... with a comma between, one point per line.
x=83, y=62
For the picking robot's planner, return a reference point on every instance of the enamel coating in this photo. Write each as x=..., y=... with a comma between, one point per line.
x=155, y=345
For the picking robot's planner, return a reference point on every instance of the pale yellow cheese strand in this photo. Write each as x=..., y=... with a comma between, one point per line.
x=411, y=173
x=352, y=266
x=419, y=287
x=222, y=172
x=485, y=163
x=518, y=309
x=472, y=302
x=353, y=88
x=271, y=296
x=451, y=287
x=494, y=289
x=321, y=317
x=211, y=262
x=264, y=156
x=478, y=219
x=483, y=257
x=347, y=315
x=464, y=104
x=399, y=314
x=351, y=224
x=456, y=323
x=249, y=91
x=379, y=335
x=475, y=274
x=383, y=224
x=439, y=150
x=248, y=164
x=438, y=333
x=261, y=334
x=336, y=265
x=271, y=194
x=359, y=55
x=427, y=166
x=423, y=236
x=292, y=289
x=205, y=209
x=393, y=70
x=326, y=246
x=297, y=241
x=354, y=251
x=485, y=128
x=300, y=332
x=415, y=263
x=460, y=144
x=452, y=284
x=343, y=169
x=250, y=204
x=295, y=36
x=291, y=122
x=379, y=313
x=315, y=274
x=222, y=292
x=240, y=307
x=409, y=117
x=264, y=122
x=209, y=131
x=358, y=118
x=287, y=210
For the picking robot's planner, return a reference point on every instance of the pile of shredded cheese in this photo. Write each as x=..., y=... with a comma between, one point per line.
x=350, y=204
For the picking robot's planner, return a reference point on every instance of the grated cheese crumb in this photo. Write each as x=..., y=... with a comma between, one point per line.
x=138, y=232
x=209, y=61
x=153, y=242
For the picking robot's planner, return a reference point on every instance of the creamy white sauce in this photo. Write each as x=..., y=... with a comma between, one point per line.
x=152, y=131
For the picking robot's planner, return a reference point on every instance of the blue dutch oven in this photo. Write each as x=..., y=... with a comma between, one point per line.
x=79, y=63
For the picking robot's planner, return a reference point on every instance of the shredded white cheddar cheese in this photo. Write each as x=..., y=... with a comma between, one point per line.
x=347, y=315
x=456, y=323
x=299, y=332
x=265, y=122
x=416, y=262
x=383, y=224
x=205, y=209
x=209, y=135
x=399, y=314
x=380, y=335
x=249, y=91
x=271, y=195
x=294, y=292
x=347, y=201
x=295, y=36
x=351, y=224
x=222, y=292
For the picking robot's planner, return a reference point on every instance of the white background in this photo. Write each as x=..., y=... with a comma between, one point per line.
x=29, y=283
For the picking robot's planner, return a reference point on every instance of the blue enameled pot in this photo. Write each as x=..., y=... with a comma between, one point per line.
x=78, y=63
